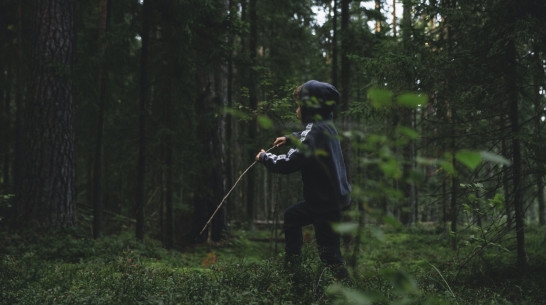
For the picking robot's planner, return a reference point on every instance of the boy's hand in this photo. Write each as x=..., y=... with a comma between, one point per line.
x=258, y=155
x=279, y=141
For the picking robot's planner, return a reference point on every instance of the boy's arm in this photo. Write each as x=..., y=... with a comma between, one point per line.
x=287, y=139
x=284, y=164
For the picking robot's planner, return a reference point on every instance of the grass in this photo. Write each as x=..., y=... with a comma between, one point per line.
x=392, y=267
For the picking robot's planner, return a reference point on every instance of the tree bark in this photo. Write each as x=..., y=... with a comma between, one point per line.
x=19, y=134
x=334, y=44
x=394, y=18
x=345, y=81
x=98, y=205
x=540, y=147
x=408, y=212
x=47, y=191
x=511, y=82
x=253, y=102
x=143, y=115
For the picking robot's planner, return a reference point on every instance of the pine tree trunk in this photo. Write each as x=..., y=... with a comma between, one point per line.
x=540, y=147
x=4, y=129
x=253, y=102
x=167, y=112
x=143, y=115
x=345, y=81
x=98, y=205
x=406, y=118
x=506, y=175
x=47, y=191
x=19, y=133
x=334, y=44
x=511, y=82
x=377, y=22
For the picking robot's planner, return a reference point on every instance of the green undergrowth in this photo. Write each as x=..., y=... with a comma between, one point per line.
x=390, y=267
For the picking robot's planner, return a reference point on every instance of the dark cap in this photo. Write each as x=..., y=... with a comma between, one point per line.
x=318, y=99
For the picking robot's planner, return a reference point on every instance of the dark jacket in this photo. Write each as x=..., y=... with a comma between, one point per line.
x=318, y=154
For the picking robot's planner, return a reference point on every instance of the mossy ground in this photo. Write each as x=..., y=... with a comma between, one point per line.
x=390, y=267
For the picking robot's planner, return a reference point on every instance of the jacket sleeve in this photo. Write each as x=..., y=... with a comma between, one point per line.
x=287, y=163
x=294, y=135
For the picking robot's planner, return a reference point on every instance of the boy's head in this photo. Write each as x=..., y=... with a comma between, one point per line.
x=316, y=100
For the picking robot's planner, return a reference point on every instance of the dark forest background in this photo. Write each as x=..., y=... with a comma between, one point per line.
x=140, y=115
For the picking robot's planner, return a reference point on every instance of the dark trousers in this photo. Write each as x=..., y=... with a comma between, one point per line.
x=328, y=241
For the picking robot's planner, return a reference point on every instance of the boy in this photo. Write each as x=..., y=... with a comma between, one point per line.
x=325, y=186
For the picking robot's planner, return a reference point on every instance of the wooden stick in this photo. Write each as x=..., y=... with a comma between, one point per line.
x=233, y=187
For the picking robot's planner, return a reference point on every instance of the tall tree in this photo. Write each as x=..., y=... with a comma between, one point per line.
x=405, y=115
x=253, y=103
x=539, y=145
x=98, y=205
x=46, y=190
x=345, y=79
x=167, y=112
x=143, y=116
x=211, y=82
x=334, y=43
x=517, y=199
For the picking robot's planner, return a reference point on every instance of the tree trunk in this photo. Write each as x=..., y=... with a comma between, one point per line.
x=506, y=175
x=377, y=22
x=4, y=128
x=47, y=191
x=253, y=102
x=143, y=115
x=19, y=133
x=167, y=112
x=540, y=147
x=511, y=85
x=394, y=18
x=345, y=81
x=98, y=205
x=334, y=44
x=408, y=210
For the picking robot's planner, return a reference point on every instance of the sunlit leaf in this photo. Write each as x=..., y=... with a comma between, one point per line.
x=380, y=98
x=412, y=100
x=391, y=169
x=345, y=227
x=236, y=113
x=492, y=157
x=265, y=122
x=410, y=132
x=448, y=167
x=469, y=158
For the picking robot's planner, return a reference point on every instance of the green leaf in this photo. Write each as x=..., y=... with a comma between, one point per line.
x=492, y=157
x=236, y=113
x=265, y=122
x=380, y=98
x=345, y=227
x=469, y=158
x=448, y=167
x=391, y=168
x=409, y=132
x=412, y=100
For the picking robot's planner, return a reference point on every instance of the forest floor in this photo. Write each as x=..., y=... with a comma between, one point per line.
x=399, y=266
